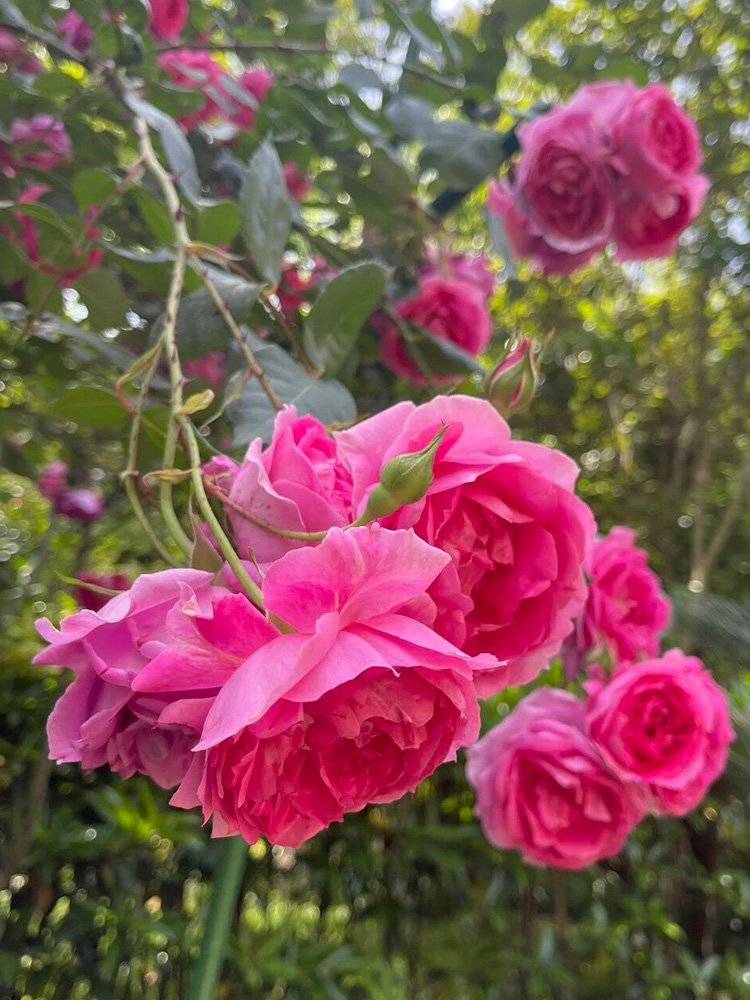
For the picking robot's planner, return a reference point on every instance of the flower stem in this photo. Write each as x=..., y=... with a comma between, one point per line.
x=218, y=924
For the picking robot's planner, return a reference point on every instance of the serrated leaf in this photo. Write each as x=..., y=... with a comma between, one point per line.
x=177, y=149
x=463, y=154
x=201, y=327
x=340, y=312
x=155, y=214
x=251, y=413
x=218, y=224
x=104, y=297
x=265, y=211
x=92, y=186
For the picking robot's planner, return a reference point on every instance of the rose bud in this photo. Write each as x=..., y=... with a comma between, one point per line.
x=513, y=384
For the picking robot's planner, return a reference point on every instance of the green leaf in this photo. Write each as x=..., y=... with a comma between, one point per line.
x=201, y=327
x=251, y=413
x=500, y=243
x=340, y=312
x=265, y=211
x=155, y=214
x=218, y=224
x=90, y=406
x=177, y=149
x=104, y=297
x=410, y=117
x=463, y=154
x=444, y=357
x=92, y=186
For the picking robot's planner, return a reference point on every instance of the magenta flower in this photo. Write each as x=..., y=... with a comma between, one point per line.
x=76, y=31
x=84, y=506
x=168, y=18
x=39, y=143
x=357, y=706
x=543, y=788
x=53, y=479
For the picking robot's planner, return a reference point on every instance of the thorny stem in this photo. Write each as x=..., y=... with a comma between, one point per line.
x=179, y=421
x=130, y=475
x=234, y=329
x=314, y=48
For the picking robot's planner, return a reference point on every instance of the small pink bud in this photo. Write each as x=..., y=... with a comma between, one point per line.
x=84, y=506
x=513, y=384
x=53, y=480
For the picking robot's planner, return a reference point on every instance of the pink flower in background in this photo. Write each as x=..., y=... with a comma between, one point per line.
x=626, y=609
x=53, y=479
x=663, y=724
x=222, y=471
x=211, y=368
x=255, y=82
x=297, y=183
x=449, y=310
x=564, y=182
x=471, y=269
x=645, y=229
x=655, y=143
x=504, y=511
x=296, y=483
x=93, y=600
x=84, y=506
x=147, y=666
x=524, y=239
x=76, y=31
x=39, y=143
x=603, y=102
x=168, y=18
x=14, y=53
x=357, y=706
x=543, y=788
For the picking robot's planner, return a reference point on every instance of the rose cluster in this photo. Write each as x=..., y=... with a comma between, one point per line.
x=392, y=600
x=617, y=164
x=565, y=780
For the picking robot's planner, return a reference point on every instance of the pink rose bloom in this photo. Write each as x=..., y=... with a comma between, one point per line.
x=196, y=70
x=603, y=102
x=84, y=506
x=543, y=789
x=26, y=235
x=655, y=143
x=506, y=514
x=449, y=310
x=626, y=609
x=211, y=368
x=40, y=143
x=297, y=483
x=14, y=53
x=188, y=635
x=563, y=180
x=357, y=706
x=221, y=470
x=168, y=18
x=255, y=82
x=471, y=269
x=93, y=600
x=53, y=480
x=644, y=229
x=296, y=182
x=526, y=241
x=663, y=724
x=76, y=31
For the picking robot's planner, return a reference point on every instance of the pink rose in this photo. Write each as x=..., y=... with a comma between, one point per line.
x=664, y=724
x=14, y=53
x=543, y=789
x=297, y=484
x=168, y=18
x=603, y=102
x=211, y=368
x=564, y=182
x=196, y=70
x=526, y=241
x=655, y=143
x=76, y=31
x=222, y=471
x=93, y=600
x=39, y=143
x=645, y=230
x=506, y=514
x=84, y=506
x=255, y=82
x=470, y=269
x=357, y=706
x=449, y=310
x=626, y=609
x=296, y=182
x=53, y=480
x=174, y=634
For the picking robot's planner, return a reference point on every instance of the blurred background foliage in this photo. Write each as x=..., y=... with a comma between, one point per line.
x=645, y=384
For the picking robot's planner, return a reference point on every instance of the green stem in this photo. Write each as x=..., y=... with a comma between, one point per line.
x=219, y=919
